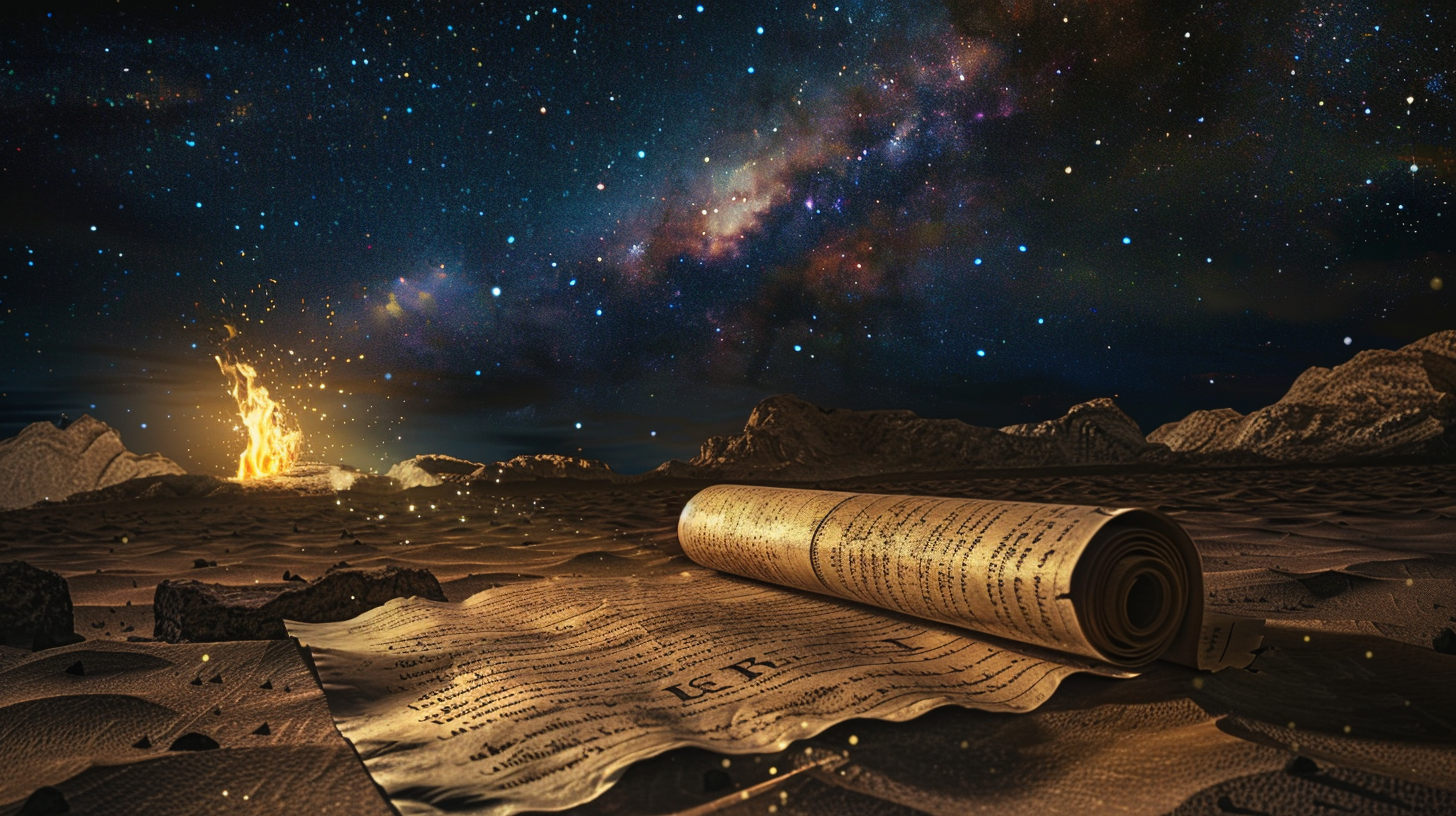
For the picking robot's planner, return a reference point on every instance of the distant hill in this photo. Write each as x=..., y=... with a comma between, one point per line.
x=789, y=438
x=46, y=462
x=1380, y=403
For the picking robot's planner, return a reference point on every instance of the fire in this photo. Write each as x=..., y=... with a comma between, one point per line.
x=274, y=440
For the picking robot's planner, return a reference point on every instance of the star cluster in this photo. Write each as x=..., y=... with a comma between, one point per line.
x=610, y=228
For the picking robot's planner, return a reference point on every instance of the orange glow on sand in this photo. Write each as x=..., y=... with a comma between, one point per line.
x=274, y=440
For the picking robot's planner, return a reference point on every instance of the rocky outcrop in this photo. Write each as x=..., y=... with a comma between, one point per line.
x=413, y=472
x=433, y=466
x=193, y=611
x=791, y=439
x=1380, y=403
x=169, y=486
x=1197, y=431
x=548, y=466
x=35, y=608
x=1093, y=433
x=44, y=462
x=430, y=470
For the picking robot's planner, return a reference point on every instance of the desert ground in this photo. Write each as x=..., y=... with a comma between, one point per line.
x=1348, y=708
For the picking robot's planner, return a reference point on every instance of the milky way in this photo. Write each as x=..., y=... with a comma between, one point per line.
x=610, y=228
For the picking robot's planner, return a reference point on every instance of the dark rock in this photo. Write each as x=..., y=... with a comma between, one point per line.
x=288, y=576
x=267, y=684
x=193, y=741
x=263, y=730
x=216, y=678
x=45, y=462
x=199, y=612
x=77, y=669
x=144, y=742
x=35, y=608
x=1445, y=643
x=196, y=681
x=202, y=563
x=1301, y=766
x=44, y=802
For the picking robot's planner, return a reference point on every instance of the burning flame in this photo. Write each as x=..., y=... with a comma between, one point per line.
x=274, y=440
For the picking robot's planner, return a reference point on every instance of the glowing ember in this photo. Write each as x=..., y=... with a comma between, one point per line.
x=274, y=440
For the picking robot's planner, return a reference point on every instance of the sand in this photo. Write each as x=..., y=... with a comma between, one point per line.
x=1348, y=709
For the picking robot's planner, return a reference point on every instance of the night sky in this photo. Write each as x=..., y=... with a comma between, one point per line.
x=609, y=229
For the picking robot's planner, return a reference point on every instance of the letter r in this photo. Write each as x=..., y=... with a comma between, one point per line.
x=745, y=667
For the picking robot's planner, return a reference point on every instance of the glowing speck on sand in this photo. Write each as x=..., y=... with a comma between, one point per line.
x=274, y=440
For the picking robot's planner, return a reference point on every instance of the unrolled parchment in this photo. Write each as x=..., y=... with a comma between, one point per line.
x=538, y=696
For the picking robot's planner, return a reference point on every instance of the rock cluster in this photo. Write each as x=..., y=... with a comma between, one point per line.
x=45, y=462
x=193, y=611
x=429, y=470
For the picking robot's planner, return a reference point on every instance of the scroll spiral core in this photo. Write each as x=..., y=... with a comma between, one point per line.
x=1134, y=593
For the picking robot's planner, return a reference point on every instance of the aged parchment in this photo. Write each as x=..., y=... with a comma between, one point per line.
x=1121, y=585
x=539, y=695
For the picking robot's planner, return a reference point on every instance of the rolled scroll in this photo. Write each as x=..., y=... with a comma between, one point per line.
x=1122, y=585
